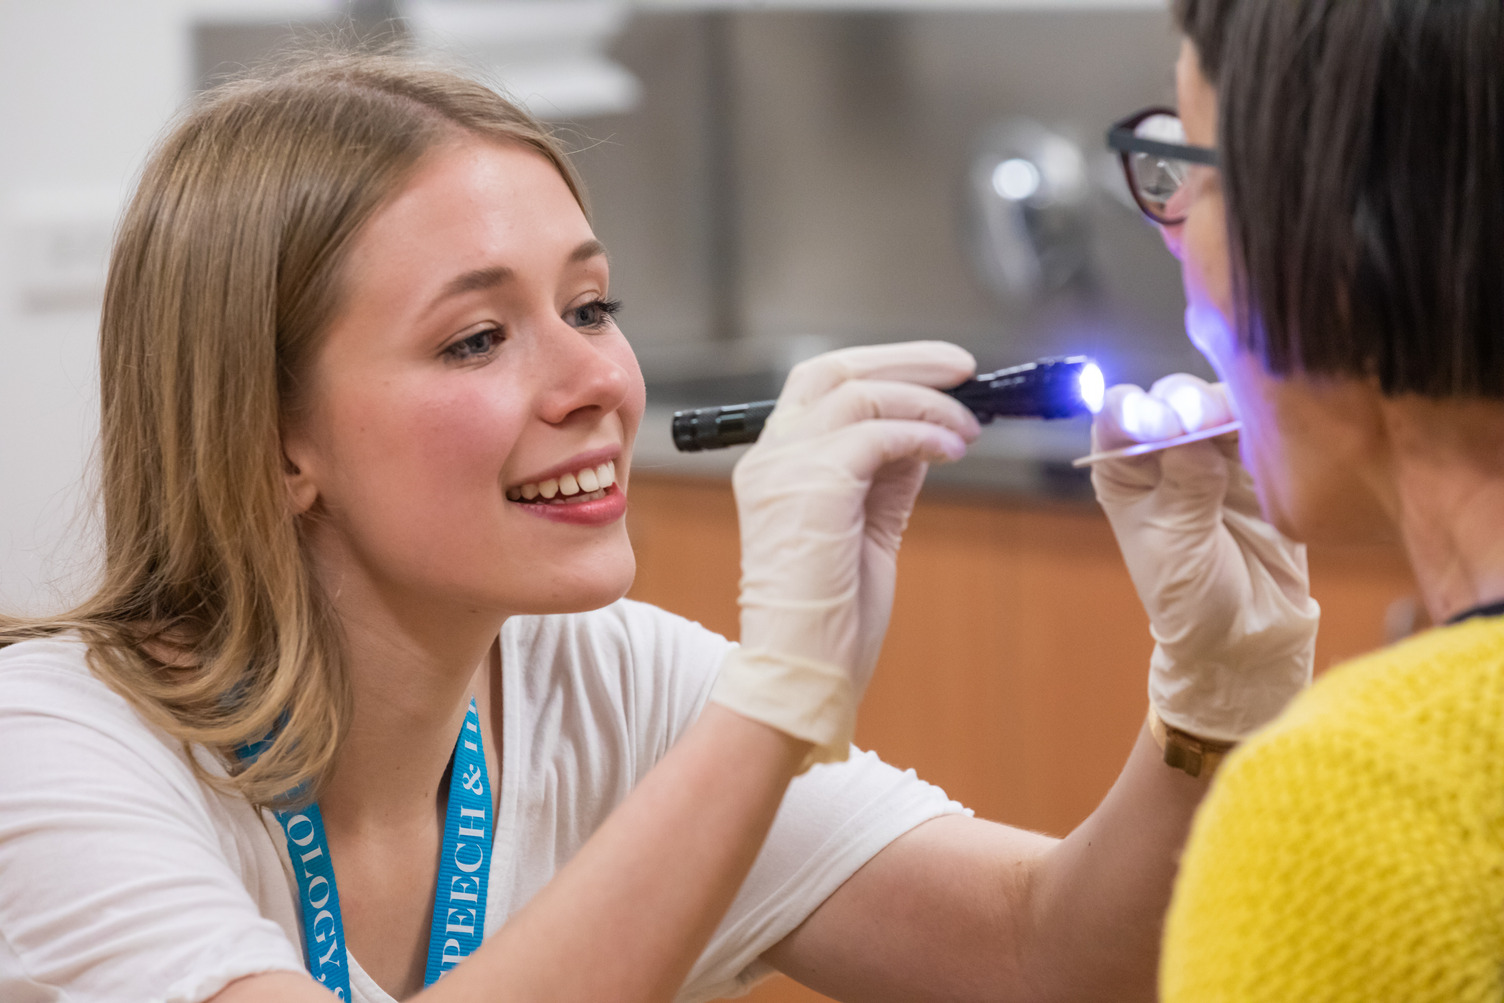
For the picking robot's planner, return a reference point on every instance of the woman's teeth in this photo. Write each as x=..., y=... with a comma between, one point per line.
x=582, y=485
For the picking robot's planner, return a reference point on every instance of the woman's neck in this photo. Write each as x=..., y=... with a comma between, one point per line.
x=1447, y=465
x=413, y=673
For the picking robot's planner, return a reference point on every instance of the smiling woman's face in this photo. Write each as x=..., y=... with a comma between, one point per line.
x=474, y=362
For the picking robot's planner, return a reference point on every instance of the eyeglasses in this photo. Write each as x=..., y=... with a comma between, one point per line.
x=1156, y=161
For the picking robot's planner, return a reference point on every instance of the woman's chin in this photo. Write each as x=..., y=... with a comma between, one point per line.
x=594, y=588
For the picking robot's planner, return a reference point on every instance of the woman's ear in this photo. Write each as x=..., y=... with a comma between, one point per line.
x=297, y=474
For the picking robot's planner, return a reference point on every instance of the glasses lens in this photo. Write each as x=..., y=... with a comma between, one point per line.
x=1156, y=179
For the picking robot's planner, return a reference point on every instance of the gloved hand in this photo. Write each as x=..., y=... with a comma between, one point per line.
x=822, y=499
x=1227, y=594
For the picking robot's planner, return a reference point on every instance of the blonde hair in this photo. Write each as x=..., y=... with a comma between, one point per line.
x=224, y=274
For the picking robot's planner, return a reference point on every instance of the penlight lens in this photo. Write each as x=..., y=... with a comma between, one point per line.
x=1093, y=387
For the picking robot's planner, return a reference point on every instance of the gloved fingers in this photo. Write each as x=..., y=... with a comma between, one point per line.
x=822, y=501
x=1242, y=496
x=927, y=363
x=891, y=499
x=1192, y=475
x=1281, y=557
x=867, y=399
x=1176, y=404
x=818, y=489
x=1199, y=468
x=1195, y=475
x=863, y=449
x=1197, y=403
x=1205, y=405
x=1130, y=416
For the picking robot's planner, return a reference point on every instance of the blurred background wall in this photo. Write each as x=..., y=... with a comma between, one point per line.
x=84, y=85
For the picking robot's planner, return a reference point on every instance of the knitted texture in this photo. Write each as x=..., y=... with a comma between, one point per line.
x=1353, y=851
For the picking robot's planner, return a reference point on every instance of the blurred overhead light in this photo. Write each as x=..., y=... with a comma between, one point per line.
x=548, y=55
x=1028, y=218
x=1015, y=179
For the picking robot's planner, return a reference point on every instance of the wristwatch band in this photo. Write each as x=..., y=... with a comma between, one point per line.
x=1186, y=752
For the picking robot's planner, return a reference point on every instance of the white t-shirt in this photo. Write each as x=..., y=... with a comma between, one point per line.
x=123, y=877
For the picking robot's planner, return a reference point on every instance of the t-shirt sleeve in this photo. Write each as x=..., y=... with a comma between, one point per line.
x=1323, y=868
x=833, y=819
x=670, y=669
x=115, y=883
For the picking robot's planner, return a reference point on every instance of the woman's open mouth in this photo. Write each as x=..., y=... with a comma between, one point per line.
x=583, y=485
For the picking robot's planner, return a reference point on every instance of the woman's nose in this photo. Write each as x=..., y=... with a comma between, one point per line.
x=1174, y=238
x=1177, y=207
x=583, y=377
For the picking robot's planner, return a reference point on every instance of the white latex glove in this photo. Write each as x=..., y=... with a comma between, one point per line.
x=1227, y=594
x=822, y=499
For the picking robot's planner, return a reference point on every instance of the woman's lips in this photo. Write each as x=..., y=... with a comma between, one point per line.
x=595, y=508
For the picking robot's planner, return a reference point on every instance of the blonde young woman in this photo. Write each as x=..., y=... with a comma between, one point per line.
x=357, y=704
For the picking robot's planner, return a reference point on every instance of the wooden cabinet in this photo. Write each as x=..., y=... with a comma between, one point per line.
x=1013, y=674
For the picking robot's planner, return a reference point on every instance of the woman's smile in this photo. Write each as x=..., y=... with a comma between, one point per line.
x=580, y=491
x=584, y=508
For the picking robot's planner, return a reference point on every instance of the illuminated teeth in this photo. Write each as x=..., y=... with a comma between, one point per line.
x=586, y=484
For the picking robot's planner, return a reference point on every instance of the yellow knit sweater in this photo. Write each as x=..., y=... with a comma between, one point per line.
x=1354, y=850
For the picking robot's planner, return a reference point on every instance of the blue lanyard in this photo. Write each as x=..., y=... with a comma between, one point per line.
x=459, y=905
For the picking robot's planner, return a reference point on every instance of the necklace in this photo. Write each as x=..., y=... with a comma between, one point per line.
x=1486, y=609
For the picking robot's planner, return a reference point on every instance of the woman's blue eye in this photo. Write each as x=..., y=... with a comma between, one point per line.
x=596, y=313
x=475, y=346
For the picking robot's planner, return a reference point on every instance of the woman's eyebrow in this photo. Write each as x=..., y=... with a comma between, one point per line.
x=482, y=279
x=589, y=249
x=474, y=281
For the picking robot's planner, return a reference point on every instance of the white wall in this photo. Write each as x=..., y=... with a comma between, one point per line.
x=85, y=86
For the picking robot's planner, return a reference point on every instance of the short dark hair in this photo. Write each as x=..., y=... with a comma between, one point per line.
x=1363, y=165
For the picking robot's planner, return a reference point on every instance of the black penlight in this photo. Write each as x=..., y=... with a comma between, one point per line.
x=1049, y=388
x=719, y=427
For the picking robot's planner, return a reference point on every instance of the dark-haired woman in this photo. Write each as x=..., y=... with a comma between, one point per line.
x=1338, y=210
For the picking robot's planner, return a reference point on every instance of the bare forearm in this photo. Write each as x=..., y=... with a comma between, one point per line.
x=962, y=909
x=1099, y=896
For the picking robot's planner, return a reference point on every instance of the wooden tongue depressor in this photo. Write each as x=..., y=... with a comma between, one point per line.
x=1139, y=449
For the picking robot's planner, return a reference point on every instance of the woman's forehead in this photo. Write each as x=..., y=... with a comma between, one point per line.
x=476, y=199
